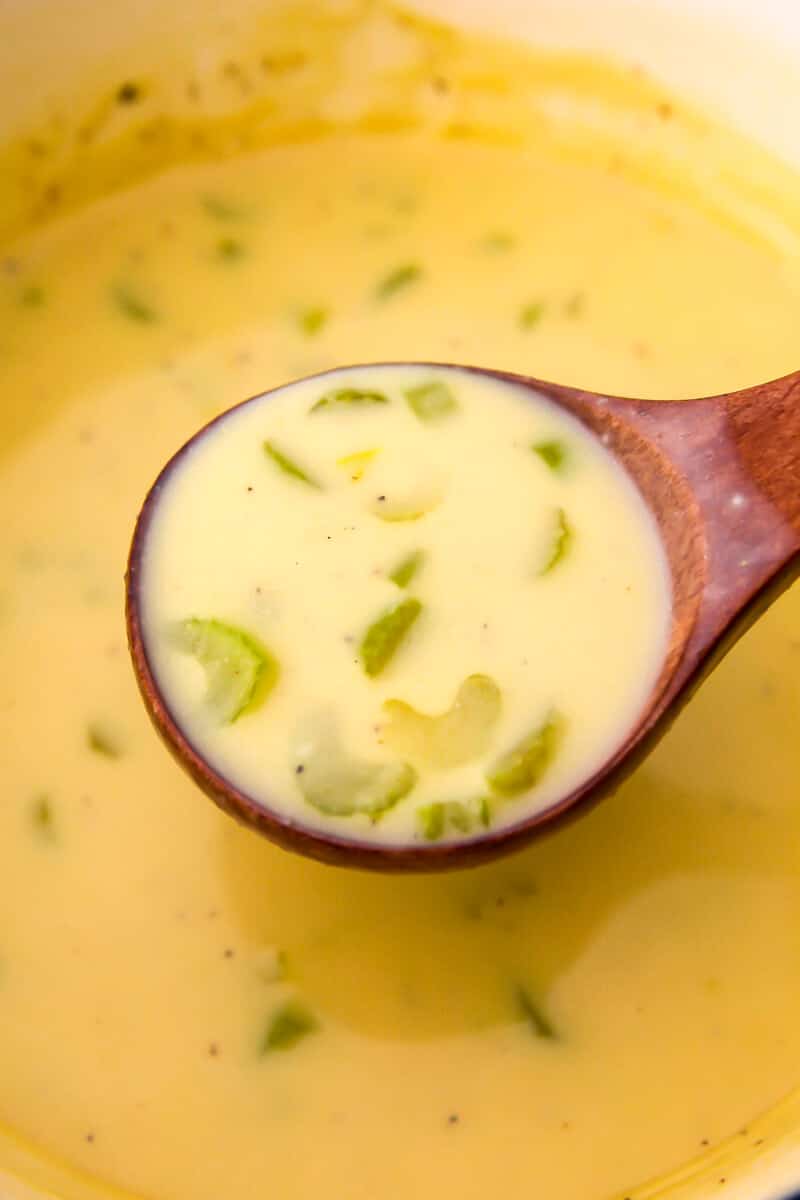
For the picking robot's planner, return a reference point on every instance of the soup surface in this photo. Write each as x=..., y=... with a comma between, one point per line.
x=189, y=1013
x=426, y=602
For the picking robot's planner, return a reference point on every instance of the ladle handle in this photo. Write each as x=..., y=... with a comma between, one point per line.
x=740, y=454
x=765, y=426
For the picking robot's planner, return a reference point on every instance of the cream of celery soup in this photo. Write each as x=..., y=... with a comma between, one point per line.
x=403, y=602
x=189, y=1013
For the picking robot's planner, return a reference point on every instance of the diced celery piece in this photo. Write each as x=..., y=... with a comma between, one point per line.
x=230, y=249
x=383, y=637
x=552, y=452
x=561, y=540
x=407, y=568
x=288, y=465
x=431, y=820
x=432, y=401
x=464, y=816
x=357, y=463
x=531, y=314
x=535, y=1015
x=287, y=1026
x=43, y=818
x=132, y=305
x=103, y=740
x=312, y=320
x=402, y=277
x=348, y=397
x=523, y=766
x=220, y=208
x=32, y=296
x=239, y=669
x=457, y=736
x=336, y=784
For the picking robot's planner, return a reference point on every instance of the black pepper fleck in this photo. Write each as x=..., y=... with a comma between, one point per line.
x=381, y=498
x=299, y=769
x=129, y=93
x=453, y=1119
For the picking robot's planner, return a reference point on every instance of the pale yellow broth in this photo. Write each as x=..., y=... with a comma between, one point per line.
x=146, y=942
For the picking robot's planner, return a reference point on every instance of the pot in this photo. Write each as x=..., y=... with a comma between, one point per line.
x=735, y=58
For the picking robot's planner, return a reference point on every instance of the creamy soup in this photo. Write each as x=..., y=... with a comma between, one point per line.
x=426, y=602
x=189, y=1013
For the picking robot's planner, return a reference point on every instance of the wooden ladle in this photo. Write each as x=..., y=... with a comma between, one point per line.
x=721, y=475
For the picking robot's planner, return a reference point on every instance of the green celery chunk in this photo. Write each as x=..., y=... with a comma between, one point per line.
x=346, y=397
x=239, y=669
x=102, y=740
x=312, y=320
x=43, y=818
x=432, y=820
x=220, y=209
x=432, y=401
x=456, y=736
x=553, y=453
x=132, y=305
x=287, y=1026
x=560, y=543
x=384, y=635
x=461, y=815
x=407, y=568
x=402, y=277
x=32, y=296
x=341, y=786
x=230, y=249
x=522, y=767
x=531, y=314
x=289, y=466
x=533, y=1013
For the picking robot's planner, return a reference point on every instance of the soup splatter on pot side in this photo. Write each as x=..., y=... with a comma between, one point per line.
x=184, y=1010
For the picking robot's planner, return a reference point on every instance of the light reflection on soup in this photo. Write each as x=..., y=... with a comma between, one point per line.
x=190, y=1013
